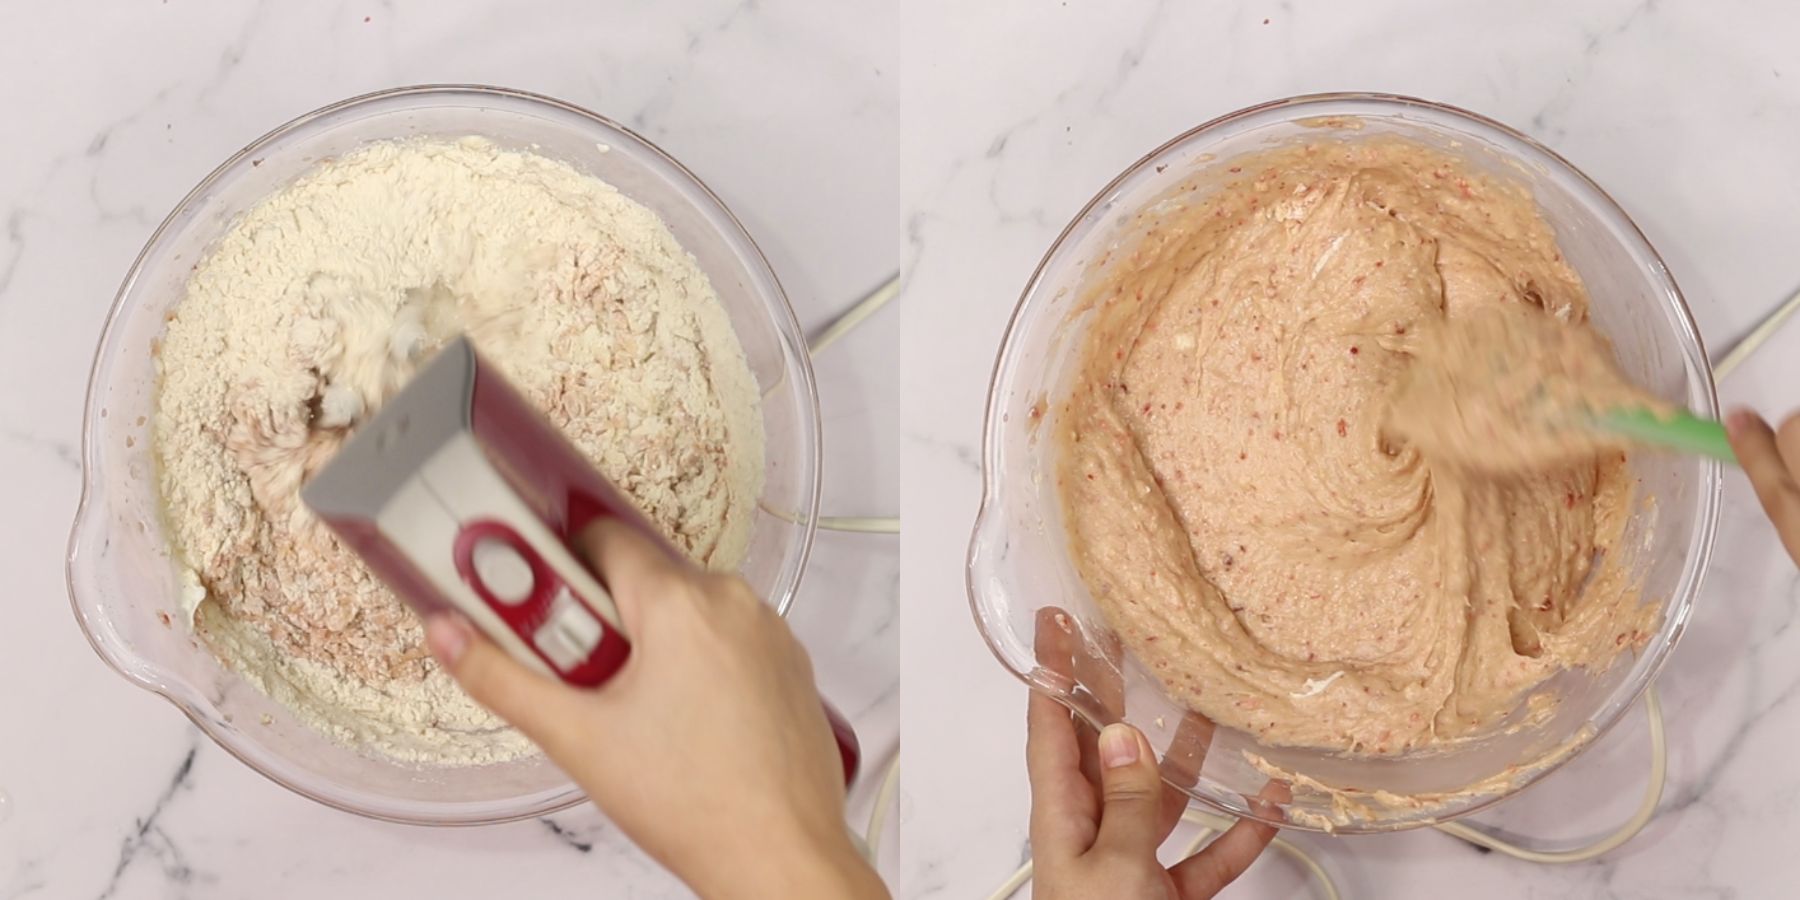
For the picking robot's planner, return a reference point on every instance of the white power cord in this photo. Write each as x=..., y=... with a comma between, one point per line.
x=861, y=524
x=842, y=325
x=1659, y=764
x=1762, y=332
x=884, y=801
x=863, y=309
x=839, y=327
x=1659, y=753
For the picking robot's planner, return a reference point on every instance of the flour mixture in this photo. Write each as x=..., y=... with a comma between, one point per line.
x=1241, y=508
x=319, y=304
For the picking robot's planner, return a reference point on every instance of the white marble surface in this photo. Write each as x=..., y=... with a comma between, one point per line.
x=114, y=109
x=1688, y=113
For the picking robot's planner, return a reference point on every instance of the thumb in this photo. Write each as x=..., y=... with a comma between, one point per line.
x=542, y=708
x=1131, y=793
x=633, y=564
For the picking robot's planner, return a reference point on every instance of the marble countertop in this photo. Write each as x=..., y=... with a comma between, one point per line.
x=789, y=110
x=1688, y=113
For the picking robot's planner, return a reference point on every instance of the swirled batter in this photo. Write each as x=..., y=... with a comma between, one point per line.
x=1244, y=511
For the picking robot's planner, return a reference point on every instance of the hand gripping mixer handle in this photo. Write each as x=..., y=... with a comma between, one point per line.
x=459, y=461
x=544, y=459
x=612, y=648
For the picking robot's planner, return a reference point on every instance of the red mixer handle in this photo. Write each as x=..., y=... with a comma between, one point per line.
x=543, y=596
x=585, y=507
x=569, y=495
x=849, y=749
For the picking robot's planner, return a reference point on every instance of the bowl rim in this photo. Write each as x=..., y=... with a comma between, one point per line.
x=453, y=813
x=1708, y=495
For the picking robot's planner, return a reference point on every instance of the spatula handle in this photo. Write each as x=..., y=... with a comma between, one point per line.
x=1682, y=431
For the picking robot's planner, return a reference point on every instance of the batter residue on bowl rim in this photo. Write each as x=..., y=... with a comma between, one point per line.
x=318, y=304
x=1242, y=509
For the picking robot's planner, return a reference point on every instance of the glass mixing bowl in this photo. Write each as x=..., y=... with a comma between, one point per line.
x=1019, y=568
x=122, y=581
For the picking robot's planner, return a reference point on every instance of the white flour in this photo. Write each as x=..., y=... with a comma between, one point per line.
x=319, y=304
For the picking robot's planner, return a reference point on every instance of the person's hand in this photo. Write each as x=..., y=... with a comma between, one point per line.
x=709, y=747
x=1771, y=459
x=1099, y=807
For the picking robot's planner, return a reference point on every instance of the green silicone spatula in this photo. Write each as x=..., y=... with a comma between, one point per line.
x=1683, y=431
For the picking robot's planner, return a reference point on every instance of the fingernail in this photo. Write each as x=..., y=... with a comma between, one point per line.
x=1118, y=746
x=1740, y=421
x=447, y=636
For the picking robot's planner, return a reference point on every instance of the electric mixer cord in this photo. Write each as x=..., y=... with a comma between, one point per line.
x=842, y=325
x=839, y=327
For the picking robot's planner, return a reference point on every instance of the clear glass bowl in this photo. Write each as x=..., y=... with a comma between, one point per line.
x=1019, y=567
x=122, y=581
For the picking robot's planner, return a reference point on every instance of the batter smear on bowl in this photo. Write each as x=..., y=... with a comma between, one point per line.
x=318, y=305
x=1241, y=503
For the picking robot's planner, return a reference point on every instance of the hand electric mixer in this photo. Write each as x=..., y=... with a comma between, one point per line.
x=460, y=496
